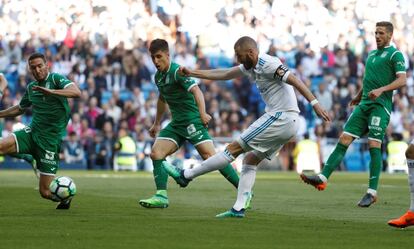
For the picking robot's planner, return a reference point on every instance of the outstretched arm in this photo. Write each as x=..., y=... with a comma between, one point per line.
x=298, y=84
x=11, y=112
x=213, y=74
x=72, y=91
x=3, y=84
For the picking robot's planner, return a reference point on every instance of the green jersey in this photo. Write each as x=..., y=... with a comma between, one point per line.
x=51, y=113
x=175, y=90
x=380, y=70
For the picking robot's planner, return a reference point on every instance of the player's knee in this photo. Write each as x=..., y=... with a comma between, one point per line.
x=156, y=155
x=346, y=139
x=251, y=159
x=374, y=144
x=409, y=153
x=2, y=149
x=235, y=149
x=206, y=155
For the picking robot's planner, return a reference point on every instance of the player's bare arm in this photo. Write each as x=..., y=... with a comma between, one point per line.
x=213, y=74
x=355, y=100
x=11, y=112
x=300, y=86
x=72, y=91
x=399, y=82
x=3, y=83
x=199, y=99
x=161, y=109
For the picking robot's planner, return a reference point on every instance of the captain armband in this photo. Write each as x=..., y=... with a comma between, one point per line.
x=280, y=72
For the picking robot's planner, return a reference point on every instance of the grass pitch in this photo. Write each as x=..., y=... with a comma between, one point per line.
x=286, y=214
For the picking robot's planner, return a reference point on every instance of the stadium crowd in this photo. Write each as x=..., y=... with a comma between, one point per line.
x=102, y=46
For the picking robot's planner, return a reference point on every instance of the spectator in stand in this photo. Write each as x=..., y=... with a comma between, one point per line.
x=73, y=152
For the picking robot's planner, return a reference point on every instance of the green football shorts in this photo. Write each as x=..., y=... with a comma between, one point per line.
x=196, y=133
x=47, y=160
x=372, y=119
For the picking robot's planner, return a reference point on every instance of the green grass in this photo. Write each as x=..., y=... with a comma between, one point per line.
x=286, y=214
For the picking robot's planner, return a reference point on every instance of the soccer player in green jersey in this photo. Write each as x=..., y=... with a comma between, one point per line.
x=384, y=72
x=47, y=95
x=189, y=122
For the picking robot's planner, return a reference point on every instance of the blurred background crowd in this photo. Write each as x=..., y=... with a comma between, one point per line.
x=102, y=46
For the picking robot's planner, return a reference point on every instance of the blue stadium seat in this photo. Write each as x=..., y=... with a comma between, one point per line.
x=315, y=81
x=353, y=161
x=125, y=95
x=106, y=96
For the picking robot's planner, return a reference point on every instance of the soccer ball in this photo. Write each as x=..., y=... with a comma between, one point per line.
x=63, y=188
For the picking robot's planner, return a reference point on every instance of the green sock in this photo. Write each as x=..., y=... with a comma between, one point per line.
x=27, y=157
x=375, y=167
x=160, y=176
x=231, y=175
x=335, y=158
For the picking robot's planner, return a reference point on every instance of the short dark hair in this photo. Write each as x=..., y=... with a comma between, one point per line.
x=37, y=55
x=245, y=42
x=157, y=45
x=388, y=26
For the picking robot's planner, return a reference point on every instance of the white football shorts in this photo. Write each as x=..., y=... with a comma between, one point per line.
x=267, y=135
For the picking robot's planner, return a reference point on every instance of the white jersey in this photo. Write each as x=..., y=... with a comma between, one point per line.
x=270, y=75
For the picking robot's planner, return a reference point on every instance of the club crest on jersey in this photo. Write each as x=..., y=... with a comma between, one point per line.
x=191, y=129
x=375, y=121
x=47, y=85
x=49, y=155
x=384, y=54
x=401, y=63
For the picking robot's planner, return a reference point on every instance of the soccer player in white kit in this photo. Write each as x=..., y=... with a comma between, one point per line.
x=407, y=219
x=264, y=138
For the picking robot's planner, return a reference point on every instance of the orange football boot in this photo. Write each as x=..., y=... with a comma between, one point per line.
x=405, y=220
x=314, y=181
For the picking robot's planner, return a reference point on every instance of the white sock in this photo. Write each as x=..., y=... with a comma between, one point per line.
x=247, y=178
x=216, y=162
x=372, y=192
x=323, y=178
x=410, y=163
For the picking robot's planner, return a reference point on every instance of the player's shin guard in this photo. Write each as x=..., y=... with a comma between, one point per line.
x=231, y=175
x=335, y=158
x=410, y=163
x=160, y=176
x=375, y=167
x=247, y=179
